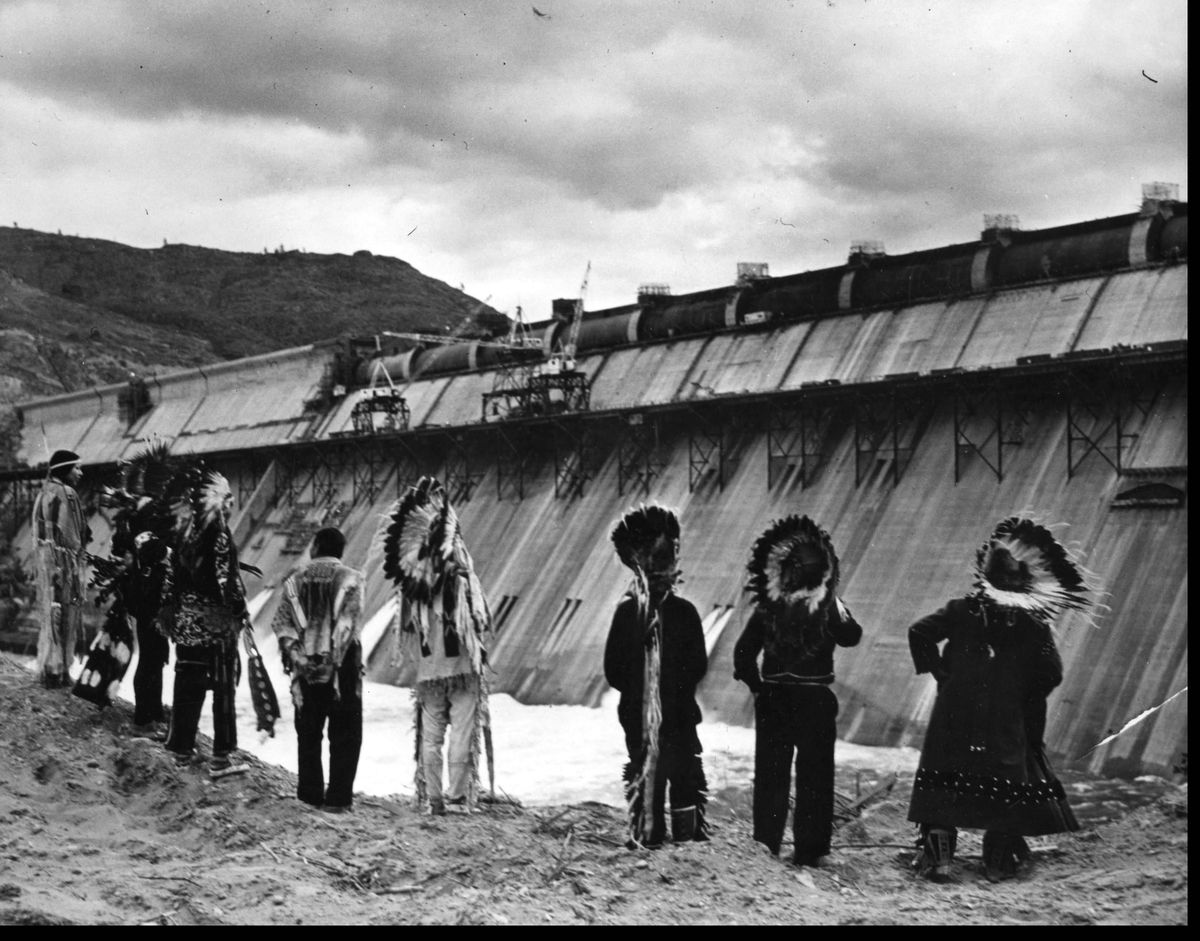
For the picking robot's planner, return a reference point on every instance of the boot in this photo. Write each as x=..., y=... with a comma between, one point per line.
x=1003, y=854
x=937, y=853
x=687, y=825
x=683, y=824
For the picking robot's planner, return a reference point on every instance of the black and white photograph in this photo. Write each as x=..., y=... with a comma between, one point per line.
x=675, y=462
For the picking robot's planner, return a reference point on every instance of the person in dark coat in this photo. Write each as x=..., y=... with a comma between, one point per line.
x=204, y=616
x=983, y=763
x=797, y=622
x=655, y=657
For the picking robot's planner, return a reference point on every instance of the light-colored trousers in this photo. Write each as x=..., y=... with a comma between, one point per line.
x=458, y=709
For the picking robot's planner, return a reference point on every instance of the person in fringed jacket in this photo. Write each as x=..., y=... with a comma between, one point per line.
x=318, y=630
x=60, y=538
x=983, y=764
x=798, y=621
x=443, y=620
x=655, y=657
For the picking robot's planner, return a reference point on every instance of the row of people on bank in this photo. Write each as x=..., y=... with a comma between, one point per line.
x=173, y=575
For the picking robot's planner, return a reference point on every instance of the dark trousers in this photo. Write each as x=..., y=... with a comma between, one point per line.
x=148, y=678
x=344, y=715
x=799, y=721
x=197, y=670
x=680, y=769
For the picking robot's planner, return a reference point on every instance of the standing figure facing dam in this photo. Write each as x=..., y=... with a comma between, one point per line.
x=318, y=631
x=983, y=764
x=797, y=622
x=204, y=614
x=655, y=657
x=443, y=620
x=60, y=538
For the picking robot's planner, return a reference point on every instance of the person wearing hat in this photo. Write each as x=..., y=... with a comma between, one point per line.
x=798, y=621
x=60, y=537
x=318, y=631
x=993, y=656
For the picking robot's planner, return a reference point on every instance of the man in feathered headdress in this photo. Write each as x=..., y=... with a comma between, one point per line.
x=318, y=630
x=443, y=618
x=983, y=764
x=797, y=622
x=60, y=538
x=655, y=657
x=133, y=577
x=205, y=612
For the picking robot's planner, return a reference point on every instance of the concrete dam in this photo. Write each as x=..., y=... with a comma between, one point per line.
x=906, y=403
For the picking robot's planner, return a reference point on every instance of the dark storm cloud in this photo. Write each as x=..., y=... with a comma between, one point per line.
x=412, y=79
x=649, y=135
x=620, y=104
x=614, y=102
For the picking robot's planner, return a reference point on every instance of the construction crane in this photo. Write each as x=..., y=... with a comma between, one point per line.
x=515, y=338
x=577, y=319
x=430, y=338
x=565, y=362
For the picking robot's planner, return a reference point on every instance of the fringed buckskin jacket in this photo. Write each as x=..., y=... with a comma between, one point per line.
x=318, y=615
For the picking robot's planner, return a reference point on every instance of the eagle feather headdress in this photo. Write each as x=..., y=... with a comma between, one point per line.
x=1023, y=567
x=425, y=557
x=792, y=561
x=144, y=522
x=647, y=541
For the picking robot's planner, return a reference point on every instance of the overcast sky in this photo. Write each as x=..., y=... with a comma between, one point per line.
x=501, y=150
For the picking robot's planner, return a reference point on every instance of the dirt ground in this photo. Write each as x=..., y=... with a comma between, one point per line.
x=99, y=828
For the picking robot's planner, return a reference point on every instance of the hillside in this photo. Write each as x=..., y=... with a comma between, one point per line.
x=99, y=828
x=242, y=304
x=76, y=312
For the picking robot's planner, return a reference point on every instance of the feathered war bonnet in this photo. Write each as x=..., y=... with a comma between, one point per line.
x=792, y=562
x=1023, y=567
x=425, y=557
x=417, y=538
x=647, y=541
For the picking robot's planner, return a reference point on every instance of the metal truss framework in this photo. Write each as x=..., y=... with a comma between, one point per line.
x=990, y=419
x=459, y=477
x=572, y=442
x=707, y=451
x=1106, y=408
x=381, y=410
x=637, y=465
x=796, y=435
x=542, y=395
x=882, y=423
x=247, y=481
x=515, y=457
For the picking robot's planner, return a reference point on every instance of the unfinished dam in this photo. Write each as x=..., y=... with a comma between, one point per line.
x=906, y=403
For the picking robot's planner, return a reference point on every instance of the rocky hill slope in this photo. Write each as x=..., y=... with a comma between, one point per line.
x=99, y=828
